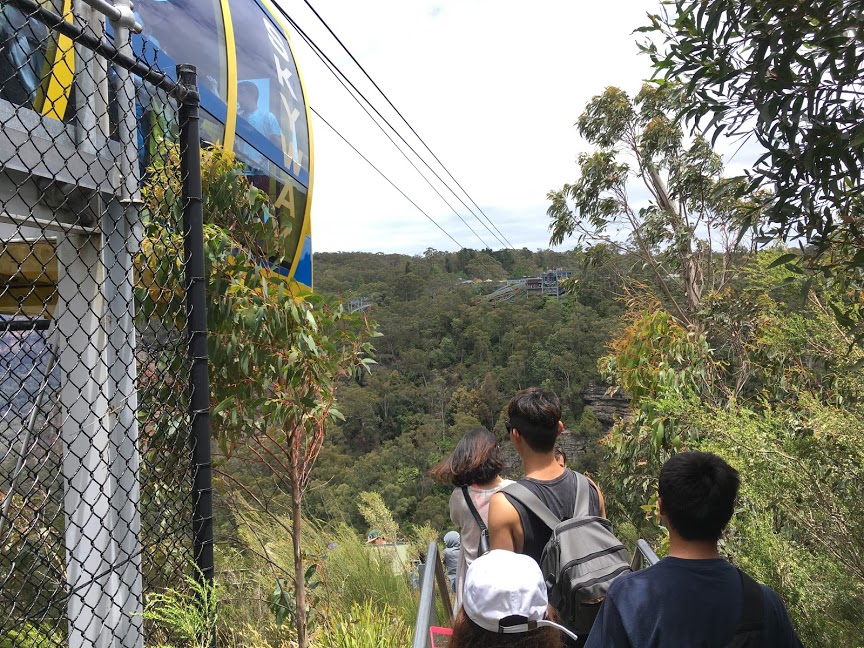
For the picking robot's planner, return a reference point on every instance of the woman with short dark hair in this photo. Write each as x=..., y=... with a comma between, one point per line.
x=474, y=468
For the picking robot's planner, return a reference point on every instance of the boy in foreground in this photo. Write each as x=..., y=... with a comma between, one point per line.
x=693, y=597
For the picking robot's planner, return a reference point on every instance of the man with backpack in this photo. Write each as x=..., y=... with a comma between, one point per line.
x=556, y=516
x=693, y=597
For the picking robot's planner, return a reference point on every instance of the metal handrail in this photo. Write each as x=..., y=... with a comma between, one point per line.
x=643, y=556
x=433, y=573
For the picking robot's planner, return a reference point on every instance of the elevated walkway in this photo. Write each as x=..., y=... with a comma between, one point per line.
x=359, y=304
x=505, y=293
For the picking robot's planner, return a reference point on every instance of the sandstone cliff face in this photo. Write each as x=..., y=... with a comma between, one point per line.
x=608, y=408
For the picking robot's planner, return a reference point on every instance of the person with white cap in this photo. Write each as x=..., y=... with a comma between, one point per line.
x=474, y=468
x=505, y=604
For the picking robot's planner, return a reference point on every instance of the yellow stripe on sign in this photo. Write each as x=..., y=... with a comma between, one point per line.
x=307, y=217
x=231, y=95
x=58, y=73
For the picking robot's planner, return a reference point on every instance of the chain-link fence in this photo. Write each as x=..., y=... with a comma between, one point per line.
x=104, y=432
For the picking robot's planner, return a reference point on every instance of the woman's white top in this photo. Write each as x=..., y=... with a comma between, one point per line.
x=469, y=532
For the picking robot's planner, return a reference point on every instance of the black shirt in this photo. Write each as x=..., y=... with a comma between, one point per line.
x=559, y=496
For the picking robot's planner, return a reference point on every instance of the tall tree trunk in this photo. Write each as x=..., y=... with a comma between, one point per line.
x=299, y=572
x=690, y=269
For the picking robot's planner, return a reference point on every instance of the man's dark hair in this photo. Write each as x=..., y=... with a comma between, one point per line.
x=698, y=490
x=535, y=413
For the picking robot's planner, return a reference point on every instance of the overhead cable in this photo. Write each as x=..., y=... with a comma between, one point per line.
x=411, y=128
x=329, y=64
x=354, y=148
x=334, y=69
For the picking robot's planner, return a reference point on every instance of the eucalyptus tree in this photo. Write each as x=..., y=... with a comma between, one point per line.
x=789, y=75
x=685, y=230
x=276, y=353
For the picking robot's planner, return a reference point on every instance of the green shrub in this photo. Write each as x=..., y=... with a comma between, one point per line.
x=354, y=573
x=343, y=572
x=188, y=618
x=31, y=636
x=365, y=626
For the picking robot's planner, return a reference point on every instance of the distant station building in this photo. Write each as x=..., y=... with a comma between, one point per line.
x=548, y=284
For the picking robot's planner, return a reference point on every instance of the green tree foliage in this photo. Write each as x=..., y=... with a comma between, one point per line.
x=771, y=385
x=799, y=522
x=448, y=363
x=789, y=74
x=276, y=353
x=237, y=234
x=687, y=233
x=664, y=368
x=485, y=266
x=279, y=358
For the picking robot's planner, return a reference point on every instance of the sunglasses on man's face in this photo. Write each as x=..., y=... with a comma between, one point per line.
x=509, y=427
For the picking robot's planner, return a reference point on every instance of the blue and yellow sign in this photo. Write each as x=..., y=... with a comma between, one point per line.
x=252, y=97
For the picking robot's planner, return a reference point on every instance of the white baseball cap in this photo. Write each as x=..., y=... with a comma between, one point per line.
x=502, y=586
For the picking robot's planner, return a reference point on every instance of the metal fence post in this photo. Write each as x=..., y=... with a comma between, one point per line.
x=196, y=304
x=82, y=342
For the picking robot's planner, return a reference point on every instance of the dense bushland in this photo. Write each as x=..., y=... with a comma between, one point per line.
x=449, y=360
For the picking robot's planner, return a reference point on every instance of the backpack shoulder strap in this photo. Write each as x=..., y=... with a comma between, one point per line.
x=751, y=605
x=473, y=509
x=583, y=496
x=532, y=503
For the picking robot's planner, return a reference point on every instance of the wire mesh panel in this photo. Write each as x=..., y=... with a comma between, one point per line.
x=99, y=501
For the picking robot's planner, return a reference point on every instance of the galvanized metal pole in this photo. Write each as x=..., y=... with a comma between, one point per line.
x=122, y=225
x=426, y=607
x=119, y=13
x=89, y=129
x=196, y=316
x=82, y=357
x=433, y=574
x=81, y=341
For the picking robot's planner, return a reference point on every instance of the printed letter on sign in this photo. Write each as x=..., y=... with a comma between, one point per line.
x=277, y=40
x=286, y=200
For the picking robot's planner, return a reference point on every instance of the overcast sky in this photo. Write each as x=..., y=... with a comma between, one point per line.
x=494, y=87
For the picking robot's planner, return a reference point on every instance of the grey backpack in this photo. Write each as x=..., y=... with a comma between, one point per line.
x=581, y=559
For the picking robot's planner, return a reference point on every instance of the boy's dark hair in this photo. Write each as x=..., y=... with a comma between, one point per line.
x=476, y=459
x=698, y=490
x=535, y=413
x=251, y=88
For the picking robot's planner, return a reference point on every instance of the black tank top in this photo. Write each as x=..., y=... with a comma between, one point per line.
x=559, y=495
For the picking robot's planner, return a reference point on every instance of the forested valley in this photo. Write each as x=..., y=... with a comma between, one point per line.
x=767, y=378
x=702, y=331
x=449, y=360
